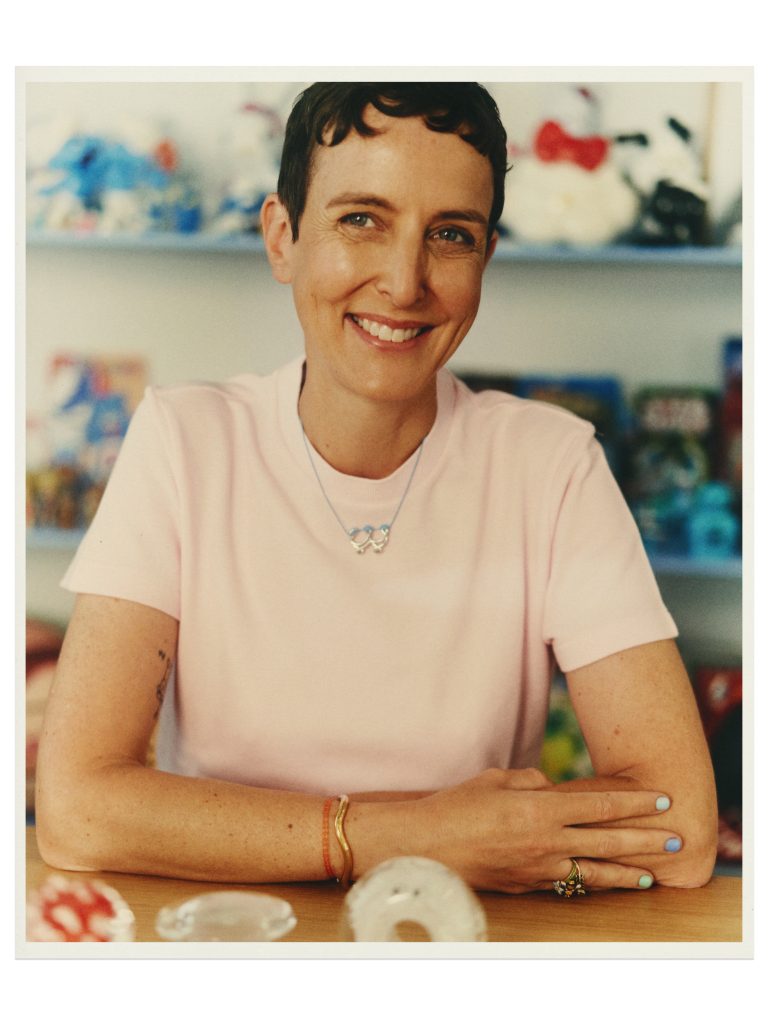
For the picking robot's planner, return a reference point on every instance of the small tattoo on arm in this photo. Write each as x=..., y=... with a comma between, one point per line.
x=162, y=685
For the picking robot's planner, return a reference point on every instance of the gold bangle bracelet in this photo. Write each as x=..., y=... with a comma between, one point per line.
x=346, y=849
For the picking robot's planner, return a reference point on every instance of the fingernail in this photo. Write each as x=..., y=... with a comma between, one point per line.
x=663, y=803
x=672, y=845
x=645, y=881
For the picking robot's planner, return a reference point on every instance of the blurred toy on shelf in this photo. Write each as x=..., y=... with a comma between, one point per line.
x=127, y=182
x=77, y=441
x=479, y=380
x=564, y=186
x=712, y=527
x=671, y=458
x=729, y=451
x=254, y=144
x=665, y=168
x=719, y=696
x=55, y=497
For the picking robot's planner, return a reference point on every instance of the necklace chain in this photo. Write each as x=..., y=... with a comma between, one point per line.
x=363, y=537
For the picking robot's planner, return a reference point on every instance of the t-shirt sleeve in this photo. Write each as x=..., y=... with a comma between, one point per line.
x=602, y=596
x=131, y=549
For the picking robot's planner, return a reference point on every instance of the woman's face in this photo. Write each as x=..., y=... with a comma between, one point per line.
x=387, y=268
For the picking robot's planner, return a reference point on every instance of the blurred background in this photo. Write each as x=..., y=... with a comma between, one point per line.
x=615, y=291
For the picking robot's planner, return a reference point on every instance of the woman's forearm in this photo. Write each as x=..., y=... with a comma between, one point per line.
x=130, y=818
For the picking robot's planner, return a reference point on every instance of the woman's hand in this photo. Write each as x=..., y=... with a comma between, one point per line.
x=510, y=831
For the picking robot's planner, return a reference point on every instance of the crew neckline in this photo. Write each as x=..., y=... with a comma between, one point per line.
x=354, y=489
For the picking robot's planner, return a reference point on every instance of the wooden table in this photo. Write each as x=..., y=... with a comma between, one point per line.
x=709, y=914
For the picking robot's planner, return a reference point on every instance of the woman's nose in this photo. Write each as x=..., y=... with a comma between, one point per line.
x=403, y=275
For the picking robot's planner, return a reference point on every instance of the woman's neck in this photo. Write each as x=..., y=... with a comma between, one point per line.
x=363, y=438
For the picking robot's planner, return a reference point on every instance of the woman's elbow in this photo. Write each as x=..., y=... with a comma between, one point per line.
x=65, y=834
x=693, y=866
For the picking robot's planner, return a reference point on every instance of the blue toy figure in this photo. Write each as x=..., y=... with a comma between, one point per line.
x=712, y=527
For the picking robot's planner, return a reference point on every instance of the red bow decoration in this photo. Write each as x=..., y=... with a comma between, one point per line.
x=554, y=143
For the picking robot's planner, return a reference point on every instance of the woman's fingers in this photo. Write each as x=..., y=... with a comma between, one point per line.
x=617, y=843
x=598, y=874
x=589, y=808
x=516, y=778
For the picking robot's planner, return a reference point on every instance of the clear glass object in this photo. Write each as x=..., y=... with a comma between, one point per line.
x=227, y=916
x=413, y=890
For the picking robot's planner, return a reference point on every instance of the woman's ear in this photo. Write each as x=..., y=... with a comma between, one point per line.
x=278, y=238
x=490, y=248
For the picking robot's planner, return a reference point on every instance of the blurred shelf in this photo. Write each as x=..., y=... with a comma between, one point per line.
x=730, y=869
x=680, y=565
x=51, y=539
x=679, y=256
x=506, y=252
x=159, y=242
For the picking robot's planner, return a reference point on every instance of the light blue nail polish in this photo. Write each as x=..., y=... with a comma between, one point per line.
x=645, y=881
x=663, y=803
x=672, y=845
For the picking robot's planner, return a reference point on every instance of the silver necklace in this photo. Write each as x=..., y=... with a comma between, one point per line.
x=363, y=537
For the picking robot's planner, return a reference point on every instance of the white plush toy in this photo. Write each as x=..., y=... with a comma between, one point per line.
x=255, y=141
x=550, y=203
x=665, y=152
x=665, y=167
x=566, y=187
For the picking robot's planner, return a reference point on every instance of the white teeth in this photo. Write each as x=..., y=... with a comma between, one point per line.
x=377, y=330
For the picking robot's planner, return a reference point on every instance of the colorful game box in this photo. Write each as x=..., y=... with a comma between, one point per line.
x=91, y=401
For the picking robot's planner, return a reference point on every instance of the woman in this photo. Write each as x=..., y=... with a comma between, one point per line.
x=358, y=575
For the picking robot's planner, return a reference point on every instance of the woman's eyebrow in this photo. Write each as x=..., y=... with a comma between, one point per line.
x=360, y=199
x=365, y=199
x=474, y=216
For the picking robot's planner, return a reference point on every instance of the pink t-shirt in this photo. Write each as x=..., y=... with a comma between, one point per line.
x=303, y=665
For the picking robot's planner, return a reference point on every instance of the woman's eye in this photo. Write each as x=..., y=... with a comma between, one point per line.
x=357, y=220
x=455, y=236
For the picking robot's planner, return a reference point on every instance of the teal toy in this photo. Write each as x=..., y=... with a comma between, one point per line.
x=712, y=527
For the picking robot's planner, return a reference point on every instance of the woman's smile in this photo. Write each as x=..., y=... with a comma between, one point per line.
x=388, y=334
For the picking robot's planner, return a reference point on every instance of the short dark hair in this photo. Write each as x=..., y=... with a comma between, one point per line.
x=326, y=112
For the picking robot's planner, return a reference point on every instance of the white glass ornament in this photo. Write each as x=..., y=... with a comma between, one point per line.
x=418, y=890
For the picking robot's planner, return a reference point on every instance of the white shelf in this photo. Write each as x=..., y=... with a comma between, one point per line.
x=712, y=568
x=48, y=538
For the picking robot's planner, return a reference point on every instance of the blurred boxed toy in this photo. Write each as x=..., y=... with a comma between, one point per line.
x=91, y=401
x=481, y=381
x=597, y=399
x=600, y=400
x=679, y=506
x=729, y=449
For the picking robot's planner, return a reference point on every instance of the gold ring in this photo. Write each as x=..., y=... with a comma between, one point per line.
x=573, y=884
